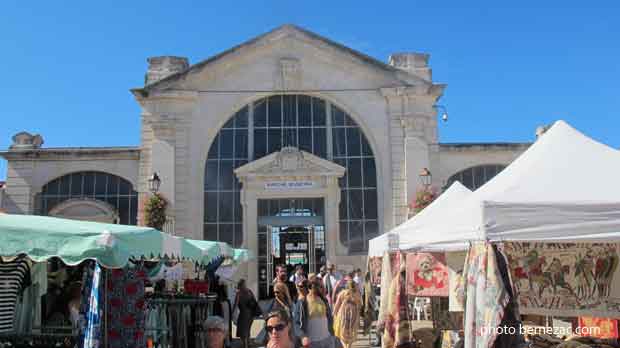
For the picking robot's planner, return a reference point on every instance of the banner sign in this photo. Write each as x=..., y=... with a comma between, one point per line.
x=289, y=185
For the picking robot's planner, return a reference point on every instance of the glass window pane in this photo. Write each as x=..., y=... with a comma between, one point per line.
x=370, y=204
x=133, y=220
x=123, y=210
x=211, y=175
x=320, y=142
x=337, y=117
x=238, y=215
x=344, y=233
x=225, y=200
x=52, y=187
x=241, y=143
x=215, y=146
x=210, y=232
x=238, y=236
x=241, y=119
x=354, y=169
x=125, y=187
x=468, y=179
x=274, y=207
x=340, y=141
x=366, y=150
x=290, y=111
x=262, y=244
x=478, y=176
x=370, y=173
x=260, y=143
x=343, y=209
x=274, y=141
x=342, y=182
x=65, y=183
x=318, y=206
x=355, y=204
x=76, y=184
x=348, y=121
x=211, y=207
x=226, y=143
x=305, y=139
x=289, y=137
x=236, y=183
x=226, y=233
x=263, y=207
x=304, y=111
x=318, y=112
x=275, y=111
x=353, y=142
x=226, y=175
x=356, y=236
x=229, y=124
x=89, y=184
x=100, y=183
x=260, y=113
x=371, y=229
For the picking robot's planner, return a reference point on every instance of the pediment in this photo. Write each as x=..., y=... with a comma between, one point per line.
x=287, y=35
x=290, y=161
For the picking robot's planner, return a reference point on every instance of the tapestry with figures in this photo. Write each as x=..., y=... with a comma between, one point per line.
x=565, y=279
x=427, y=274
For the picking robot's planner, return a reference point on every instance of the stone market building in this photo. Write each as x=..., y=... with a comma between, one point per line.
x=291, y=145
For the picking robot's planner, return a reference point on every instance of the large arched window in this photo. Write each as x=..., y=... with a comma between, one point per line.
x=110, y=189
x=310, y=124
x=474, y=177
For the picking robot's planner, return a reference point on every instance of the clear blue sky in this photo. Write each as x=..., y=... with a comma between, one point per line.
x=66, y=67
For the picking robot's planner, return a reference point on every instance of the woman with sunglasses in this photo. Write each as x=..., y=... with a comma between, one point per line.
x=279, y=330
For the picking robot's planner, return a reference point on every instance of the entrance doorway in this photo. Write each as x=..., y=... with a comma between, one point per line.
x=291, y=232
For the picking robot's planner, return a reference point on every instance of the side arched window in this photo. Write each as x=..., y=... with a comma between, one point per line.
x=474, y=177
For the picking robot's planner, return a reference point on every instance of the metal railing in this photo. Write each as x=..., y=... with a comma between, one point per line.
x=169, y=225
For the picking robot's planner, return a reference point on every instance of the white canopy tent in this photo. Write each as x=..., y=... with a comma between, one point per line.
x=563, y=188
x=447, y=201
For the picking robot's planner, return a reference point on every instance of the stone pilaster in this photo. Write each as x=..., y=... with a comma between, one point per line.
x=165, y=139
x=19, y=195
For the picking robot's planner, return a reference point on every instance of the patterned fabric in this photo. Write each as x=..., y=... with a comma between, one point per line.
x=562, y=279
x=485, y=297
x=427, y=274
x=92, y=334
x=386, y=282
x=397, y=333
x=374, y=265
x=598, y=327
x=126, y=308
x=456, y=263
x=347, y=315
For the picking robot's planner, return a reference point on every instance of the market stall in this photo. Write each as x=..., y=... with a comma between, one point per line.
x=92, y=284
x=542, y=235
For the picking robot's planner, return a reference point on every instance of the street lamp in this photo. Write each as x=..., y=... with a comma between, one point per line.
x=444, y=111
x=426, y=177
x=154, y=182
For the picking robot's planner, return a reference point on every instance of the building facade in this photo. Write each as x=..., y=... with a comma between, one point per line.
x=291, y=145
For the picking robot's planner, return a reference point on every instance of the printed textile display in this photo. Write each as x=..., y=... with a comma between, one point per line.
x=598, y=327
x=485, y=296
x=565, y=279
x=374, y=264
x=456, y=262
x=427, y=274
x=397, y=333
x=126, y=315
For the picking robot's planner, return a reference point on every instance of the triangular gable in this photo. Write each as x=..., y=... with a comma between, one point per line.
x=290, y=162
x=281, y=32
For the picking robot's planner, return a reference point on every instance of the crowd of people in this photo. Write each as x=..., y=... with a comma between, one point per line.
x=319, y=310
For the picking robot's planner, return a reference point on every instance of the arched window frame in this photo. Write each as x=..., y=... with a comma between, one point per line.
x=476, y=176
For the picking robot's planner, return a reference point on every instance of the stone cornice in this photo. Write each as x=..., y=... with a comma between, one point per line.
x=142, y=95
x=465, y=147
x=80, y=153
x=432, y=90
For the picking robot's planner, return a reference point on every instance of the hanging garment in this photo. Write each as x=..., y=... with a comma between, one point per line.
x=126, y=308
x=14, y=278
x=485, y=296
x=92, y=333
x=397, y=332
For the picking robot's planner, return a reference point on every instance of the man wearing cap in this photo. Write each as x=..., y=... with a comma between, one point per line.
x=216, y=331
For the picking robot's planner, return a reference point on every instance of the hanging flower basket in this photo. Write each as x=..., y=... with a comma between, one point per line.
x=155, y=212
x=423, y=198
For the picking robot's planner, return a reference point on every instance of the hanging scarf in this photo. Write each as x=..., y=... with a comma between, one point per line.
x=92, y=334
x=397, y=333
x=485, y=296
x=386, y=282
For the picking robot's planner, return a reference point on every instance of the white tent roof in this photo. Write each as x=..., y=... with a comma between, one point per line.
x=447, y=201
x=564, y=187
